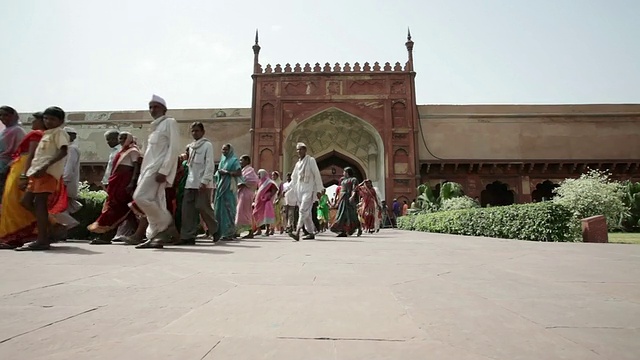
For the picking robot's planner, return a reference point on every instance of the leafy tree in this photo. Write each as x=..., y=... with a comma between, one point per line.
x=459, y=203
x=593, y=193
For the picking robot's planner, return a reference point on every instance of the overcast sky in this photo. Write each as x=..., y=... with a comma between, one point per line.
x=112, y=55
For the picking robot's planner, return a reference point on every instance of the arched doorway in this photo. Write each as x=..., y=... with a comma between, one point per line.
x=340, y=136
x=332, y=164
x=544, y=191
x=497, y=194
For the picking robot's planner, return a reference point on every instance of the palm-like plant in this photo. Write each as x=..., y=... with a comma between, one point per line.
x=631, y=198
x=428, y=201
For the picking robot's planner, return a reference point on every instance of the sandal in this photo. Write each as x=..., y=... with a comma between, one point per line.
x=100, y=242
x=33, y=246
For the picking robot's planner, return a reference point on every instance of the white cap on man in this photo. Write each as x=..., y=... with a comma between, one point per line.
x=157, y=99
x=70, y=130
x=301, y=145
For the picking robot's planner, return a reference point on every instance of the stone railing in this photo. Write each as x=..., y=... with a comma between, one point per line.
x=337, y=68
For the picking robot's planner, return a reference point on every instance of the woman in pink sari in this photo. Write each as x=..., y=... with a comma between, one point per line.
x=264, y=212
x=247, y=185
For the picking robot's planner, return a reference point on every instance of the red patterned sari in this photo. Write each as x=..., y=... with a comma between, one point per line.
x=116, y=208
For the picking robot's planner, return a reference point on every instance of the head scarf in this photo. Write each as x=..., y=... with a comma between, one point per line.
x=279, y=181
x=130, y=140
x=264, y=182
x=227, y=162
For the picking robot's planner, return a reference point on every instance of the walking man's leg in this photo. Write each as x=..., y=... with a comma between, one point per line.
x=203, y=205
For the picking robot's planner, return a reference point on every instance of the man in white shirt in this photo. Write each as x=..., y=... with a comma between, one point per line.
x=307, y=183
x=290, y=200
x=158, y=170
x=198, y=187
x=112, y=138
x=71, y=176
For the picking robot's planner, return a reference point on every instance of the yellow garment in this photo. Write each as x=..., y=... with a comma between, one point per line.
x=14, y=217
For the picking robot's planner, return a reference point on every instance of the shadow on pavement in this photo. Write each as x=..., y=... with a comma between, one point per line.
x=237, y=244
x=335, y=240
x=196, y=249
x=72, y=250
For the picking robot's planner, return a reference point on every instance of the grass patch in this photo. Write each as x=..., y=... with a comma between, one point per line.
x=624, y=238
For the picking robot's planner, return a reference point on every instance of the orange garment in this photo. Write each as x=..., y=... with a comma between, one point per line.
x=45, y=184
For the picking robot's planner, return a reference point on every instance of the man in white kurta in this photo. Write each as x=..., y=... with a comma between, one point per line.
x=306, y=181
x=158, y=170
x=71, y=176
x=196, y=201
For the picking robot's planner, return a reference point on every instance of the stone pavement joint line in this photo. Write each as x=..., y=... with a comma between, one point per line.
x=337, y=339
x=49, y=324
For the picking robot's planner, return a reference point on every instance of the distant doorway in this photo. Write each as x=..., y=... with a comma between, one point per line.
x=331, y=166
x=544, y=191
x=497, y=194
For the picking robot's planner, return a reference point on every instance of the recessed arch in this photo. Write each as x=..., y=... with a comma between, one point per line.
x=334, y=131
x=497, y=194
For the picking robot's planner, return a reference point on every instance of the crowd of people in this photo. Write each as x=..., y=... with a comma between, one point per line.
x=165, y=196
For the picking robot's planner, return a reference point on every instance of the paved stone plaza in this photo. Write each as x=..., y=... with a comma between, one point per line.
x=394, y=295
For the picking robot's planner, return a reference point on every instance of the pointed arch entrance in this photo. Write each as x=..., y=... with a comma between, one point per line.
x=338, y=138
x=332, y=164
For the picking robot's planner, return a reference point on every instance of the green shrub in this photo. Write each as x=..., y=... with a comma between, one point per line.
x=545, y=221
x=406, y=222
x=459, y=203
x=593, y=193
x=92, y=202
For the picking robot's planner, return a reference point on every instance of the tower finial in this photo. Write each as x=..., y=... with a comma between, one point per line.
x=409, y=45
x=256, y=51
x=408, y=34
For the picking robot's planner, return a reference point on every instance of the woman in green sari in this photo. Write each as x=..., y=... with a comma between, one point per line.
x=226, y=192
x=323, y=210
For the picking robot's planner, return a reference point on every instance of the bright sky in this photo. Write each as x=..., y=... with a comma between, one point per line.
x=112, y=55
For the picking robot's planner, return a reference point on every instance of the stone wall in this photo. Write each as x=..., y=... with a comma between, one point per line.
x=463, y=133
x=521, y=132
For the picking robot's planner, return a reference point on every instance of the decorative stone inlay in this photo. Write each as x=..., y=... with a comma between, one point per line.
x=269, y=89
x=333, y=128
x=397, y=87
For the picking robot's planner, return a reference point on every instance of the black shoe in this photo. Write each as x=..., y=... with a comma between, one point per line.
x=309, y=237
x=187, y=242
x=294, y=236
x=150, y=244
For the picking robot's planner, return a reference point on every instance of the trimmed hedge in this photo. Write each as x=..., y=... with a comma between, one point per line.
x=544, y=221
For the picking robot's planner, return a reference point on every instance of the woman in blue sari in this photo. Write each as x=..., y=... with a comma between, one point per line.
x=226, y=192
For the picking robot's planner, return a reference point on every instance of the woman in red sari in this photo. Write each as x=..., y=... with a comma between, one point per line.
x=17, y=224
x=122, y=182
x=368, y=209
